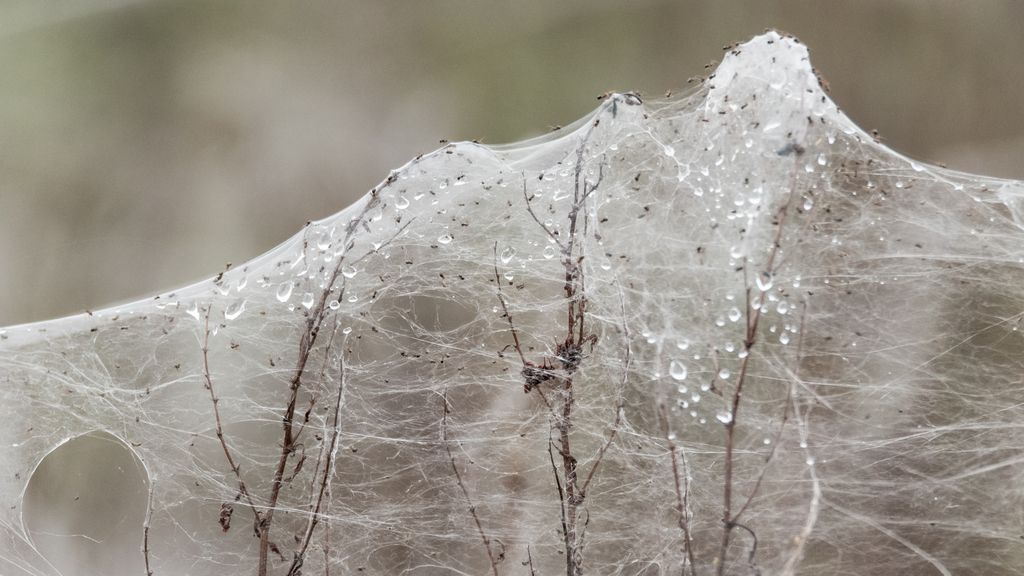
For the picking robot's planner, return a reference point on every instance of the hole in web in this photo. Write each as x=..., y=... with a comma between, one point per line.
x=85, y=504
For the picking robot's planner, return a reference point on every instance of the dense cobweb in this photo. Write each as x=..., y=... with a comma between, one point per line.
x=726, y=333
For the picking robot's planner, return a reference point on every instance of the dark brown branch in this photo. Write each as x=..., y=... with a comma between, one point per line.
x=569, y=353
x=462, y=486
x=307, y=342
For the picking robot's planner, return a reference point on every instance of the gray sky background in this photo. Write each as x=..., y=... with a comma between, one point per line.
x=144, y=144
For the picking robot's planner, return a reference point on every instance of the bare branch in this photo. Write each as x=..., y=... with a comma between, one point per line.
x=331, y=450
x=682, y=490
x=753, y=314
x=219, y=428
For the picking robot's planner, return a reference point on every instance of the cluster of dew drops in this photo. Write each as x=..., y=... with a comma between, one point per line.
x=776, y=311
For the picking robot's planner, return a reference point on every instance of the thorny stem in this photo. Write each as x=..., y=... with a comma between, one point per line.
x=753, y=317
x=462, y=486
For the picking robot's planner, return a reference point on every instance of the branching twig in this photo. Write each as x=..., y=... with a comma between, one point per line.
x=307, y=342
x=569, y=353
x=331, y=450
x=753, y=317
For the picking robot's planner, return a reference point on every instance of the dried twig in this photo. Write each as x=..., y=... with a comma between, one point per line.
x=145, y=530
x=682, y=490
x=569, y=353
x=243, y=490
x=331, y=451
x=753, y=317
x=307, y=342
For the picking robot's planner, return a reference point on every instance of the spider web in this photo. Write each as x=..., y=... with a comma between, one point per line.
x=724, y=333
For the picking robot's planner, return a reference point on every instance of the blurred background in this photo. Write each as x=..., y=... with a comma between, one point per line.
x=144, y=144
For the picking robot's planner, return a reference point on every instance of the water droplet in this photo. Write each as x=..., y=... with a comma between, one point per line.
x=682, y=389
x=767, y=441
x=784, y=338
x=353, y=298
x=808, y=203
x=671, y=435
x=234, y=310
x=670, y=151
x=284, y=291
x=549, y=252
x=764, y=281
x=734, y=314
x=445, y=238
x=349, y=272
x=346, y=330
x=401, y=202
x=724, y=373
x=683, y=344
x=677, y=370
x=334, y=305
x=724, y=417
x=821, y=160
x=507, y=254
x=307, y=300
x=719, y=321
x=810, y=460
x=783, y=307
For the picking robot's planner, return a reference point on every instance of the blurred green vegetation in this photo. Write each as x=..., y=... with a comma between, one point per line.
x=144, y=144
